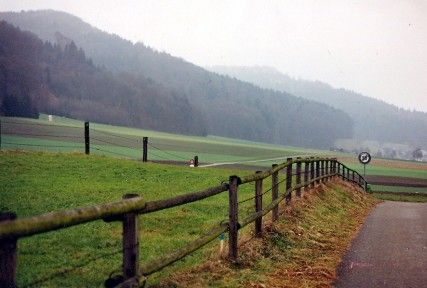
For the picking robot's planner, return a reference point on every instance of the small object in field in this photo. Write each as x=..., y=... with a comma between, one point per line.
x=221, y=243
x=191, y=163
x=50, y=118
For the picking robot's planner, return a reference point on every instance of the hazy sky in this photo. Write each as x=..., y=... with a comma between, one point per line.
x=378, y=48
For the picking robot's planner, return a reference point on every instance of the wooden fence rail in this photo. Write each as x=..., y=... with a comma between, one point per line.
x=316, y=170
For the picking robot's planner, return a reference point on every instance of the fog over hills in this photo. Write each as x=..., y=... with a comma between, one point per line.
x=373, y=119
x=227, y=107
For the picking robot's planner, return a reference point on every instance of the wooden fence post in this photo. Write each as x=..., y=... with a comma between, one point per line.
x=334, y=167
x=328, y=167
x=317, y=170
x=348, y=174
x=306, y=171
x=144, y=149
x=87, y=139
x=233, y=217
x=337, y=167
x=258, y=205
x=353, y=176
x=322, y=170
x=196, y=161
x=312, y=171
x=7, y=256
x=298, y=179
x=288, y=180
x=275, y=193
x=343, y=172
x=130, y=243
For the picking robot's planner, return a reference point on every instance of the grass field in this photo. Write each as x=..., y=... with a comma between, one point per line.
x=66, y=135
x=124, y=141
x=82, y=256
x=399, y=189
x=34, y=183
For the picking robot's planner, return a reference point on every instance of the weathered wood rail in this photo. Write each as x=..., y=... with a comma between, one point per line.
x=315, y=171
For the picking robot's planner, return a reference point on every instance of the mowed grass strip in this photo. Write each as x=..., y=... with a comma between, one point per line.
x=83, y=256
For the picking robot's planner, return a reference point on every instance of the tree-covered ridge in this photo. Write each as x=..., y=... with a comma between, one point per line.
x=228, y=107
x=373, y=119
x=59, y=79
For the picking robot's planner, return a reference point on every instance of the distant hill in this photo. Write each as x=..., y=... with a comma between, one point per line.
x=41, y=77
x=228, y=107
x=373, y=119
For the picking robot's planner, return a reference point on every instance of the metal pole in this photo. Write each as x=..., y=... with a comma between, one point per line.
x=364, y=170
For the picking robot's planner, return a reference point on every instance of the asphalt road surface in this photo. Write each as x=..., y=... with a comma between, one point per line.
x=390, y=250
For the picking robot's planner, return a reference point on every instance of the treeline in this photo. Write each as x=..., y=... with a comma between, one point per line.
x=216, y=104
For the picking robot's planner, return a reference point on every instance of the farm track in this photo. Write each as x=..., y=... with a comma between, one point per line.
x=396, y=181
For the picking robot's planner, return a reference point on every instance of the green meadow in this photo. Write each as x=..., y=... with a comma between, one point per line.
x=36, y=182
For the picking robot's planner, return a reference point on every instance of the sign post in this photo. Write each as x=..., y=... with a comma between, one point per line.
x=364, y=158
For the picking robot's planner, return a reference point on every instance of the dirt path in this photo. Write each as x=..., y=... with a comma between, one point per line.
x=396, y=181
x=390, y=250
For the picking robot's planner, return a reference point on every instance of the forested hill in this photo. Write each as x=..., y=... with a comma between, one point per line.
x=41, y=77
x=228, y=107
x=373, y=119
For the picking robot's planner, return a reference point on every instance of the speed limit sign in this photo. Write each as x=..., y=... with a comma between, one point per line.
x=365, y=158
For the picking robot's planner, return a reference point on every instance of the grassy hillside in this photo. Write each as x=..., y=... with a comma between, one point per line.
x=36, y=182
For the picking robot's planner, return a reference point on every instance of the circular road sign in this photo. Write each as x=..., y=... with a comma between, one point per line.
x=365, y=158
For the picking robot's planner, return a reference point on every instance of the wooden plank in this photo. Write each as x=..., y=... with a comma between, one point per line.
x=58, y=220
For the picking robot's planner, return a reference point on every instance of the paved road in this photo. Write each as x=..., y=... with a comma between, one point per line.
x=390, y=250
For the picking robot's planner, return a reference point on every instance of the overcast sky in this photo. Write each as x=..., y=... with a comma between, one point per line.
x=377, y=48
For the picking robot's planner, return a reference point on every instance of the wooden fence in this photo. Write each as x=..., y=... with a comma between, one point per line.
x=315, y=171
